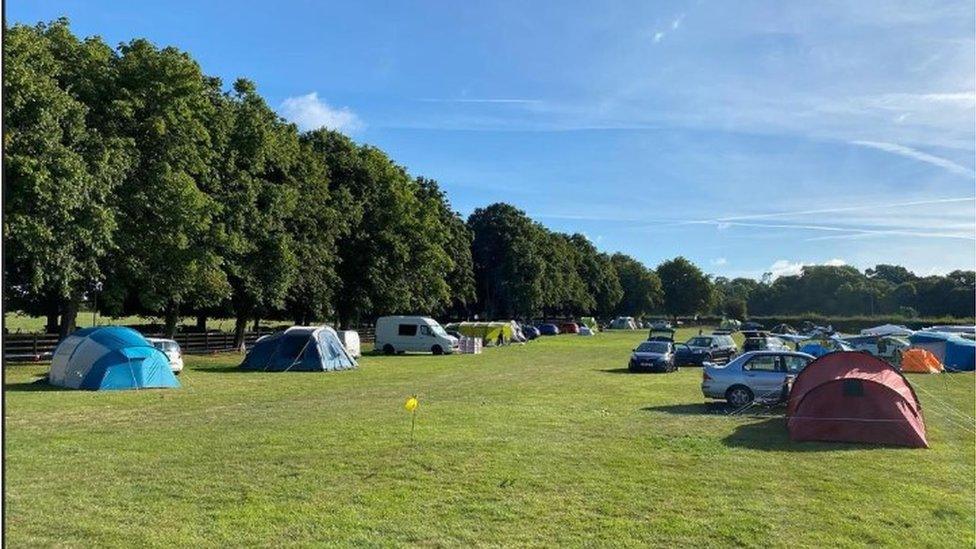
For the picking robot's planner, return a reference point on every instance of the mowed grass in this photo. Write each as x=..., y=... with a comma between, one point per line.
x=551, y=443
x=17, y=323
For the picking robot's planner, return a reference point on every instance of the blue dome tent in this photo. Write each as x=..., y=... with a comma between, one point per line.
x=956, y=353
x=299, y=349
x=109, y=358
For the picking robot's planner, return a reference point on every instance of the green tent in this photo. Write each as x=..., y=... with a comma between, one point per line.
x=590, y=323
x=491, y=333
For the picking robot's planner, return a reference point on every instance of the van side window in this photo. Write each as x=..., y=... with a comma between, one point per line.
x=407, y=330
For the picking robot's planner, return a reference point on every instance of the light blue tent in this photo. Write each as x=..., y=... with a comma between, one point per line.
x=956, y=353
x=821, y=347
x=299, y=349
x=109, y=357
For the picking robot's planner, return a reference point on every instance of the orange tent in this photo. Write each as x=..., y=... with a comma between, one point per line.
x=920, y=361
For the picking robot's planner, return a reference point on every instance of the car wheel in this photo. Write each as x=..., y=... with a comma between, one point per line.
x=388, y=349
x=739, y=395
x=437, y=350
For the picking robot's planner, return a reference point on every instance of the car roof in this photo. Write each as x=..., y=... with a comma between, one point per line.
x=775, y=353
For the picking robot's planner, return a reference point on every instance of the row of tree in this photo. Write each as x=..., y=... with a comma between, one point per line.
x=846, y=291
x=136, y=180
x=139, y=185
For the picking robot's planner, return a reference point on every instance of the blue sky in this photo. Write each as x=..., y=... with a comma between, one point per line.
x=746, y=136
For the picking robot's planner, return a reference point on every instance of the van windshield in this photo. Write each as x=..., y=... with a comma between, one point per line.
x=436, y=329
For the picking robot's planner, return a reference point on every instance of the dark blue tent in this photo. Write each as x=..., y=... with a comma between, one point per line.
x=299, y=349
x=955, y=352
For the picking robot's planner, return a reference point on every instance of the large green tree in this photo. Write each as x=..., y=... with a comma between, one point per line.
x=60, y=171
x=508, y=263
x=641, y=286
x=602, y=283
x=256, y=197
x=687, y=290
x=167, y=255
x=393, y=258
x=460, y=276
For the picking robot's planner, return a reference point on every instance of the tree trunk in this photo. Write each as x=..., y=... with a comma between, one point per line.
x=202, y=322
x=69, y=318
x=257, y=324
x=52, y=326
x=240, y=326
x=172, y=316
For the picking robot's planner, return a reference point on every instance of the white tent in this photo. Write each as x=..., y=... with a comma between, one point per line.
x=623, y=323
x=888, y=330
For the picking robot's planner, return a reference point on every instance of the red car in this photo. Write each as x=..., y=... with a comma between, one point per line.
x=569, y=328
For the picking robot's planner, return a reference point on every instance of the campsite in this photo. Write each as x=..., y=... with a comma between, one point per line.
x=551, y=442
x=489, y=274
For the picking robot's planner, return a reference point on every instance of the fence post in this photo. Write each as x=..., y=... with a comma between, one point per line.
x=206, y=341
x=34, y=346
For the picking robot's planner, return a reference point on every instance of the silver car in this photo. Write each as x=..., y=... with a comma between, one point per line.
x=754, y=375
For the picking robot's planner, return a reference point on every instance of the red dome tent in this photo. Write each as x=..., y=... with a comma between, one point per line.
x=849, y=396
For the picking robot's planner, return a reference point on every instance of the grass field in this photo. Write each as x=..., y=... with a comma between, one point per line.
x=551, y=443
x=21, y=323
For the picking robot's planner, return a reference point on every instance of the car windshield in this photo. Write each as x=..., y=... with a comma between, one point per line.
x=166, y=346
x=437, y=329
x=652, y=347
x=700, y=342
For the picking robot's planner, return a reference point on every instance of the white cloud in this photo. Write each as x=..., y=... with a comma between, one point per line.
x=838, y=209
x=516, y=100
x=785, y=267
x=719, y=261
x=658, y=36
x=916, y=154
x=677, y=21
x=311, y=113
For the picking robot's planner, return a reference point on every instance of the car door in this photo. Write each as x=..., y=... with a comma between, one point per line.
x=764, y=375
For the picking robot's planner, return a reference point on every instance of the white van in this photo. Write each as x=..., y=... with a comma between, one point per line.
x=417, y=334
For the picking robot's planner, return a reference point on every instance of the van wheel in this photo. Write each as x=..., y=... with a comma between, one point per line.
x=388, y=349
x=437, y=350
x=739, y=395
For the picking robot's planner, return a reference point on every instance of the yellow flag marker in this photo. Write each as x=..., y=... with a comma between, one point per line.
x=411, y=406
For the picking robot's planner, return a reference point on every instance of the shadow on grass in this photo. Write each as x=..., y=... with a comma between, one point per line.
x=696, y=409
x=218, y=369
x=772, y=435
x=627, y=371
x=34, y=386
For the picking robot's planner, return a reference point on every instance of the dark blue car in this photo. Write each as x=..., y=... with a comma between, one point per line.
x=548, y=329
x=530, y=332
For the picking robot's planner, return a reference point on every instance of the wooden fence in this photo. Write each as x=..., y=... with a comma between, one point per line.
x=39, y=347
